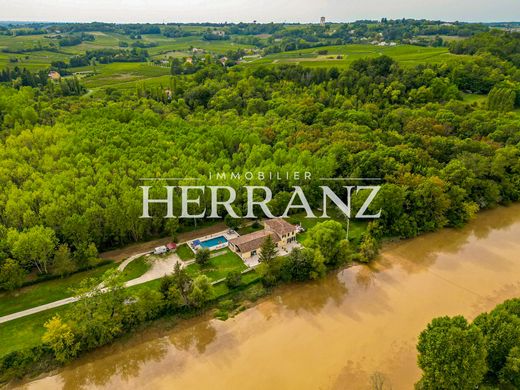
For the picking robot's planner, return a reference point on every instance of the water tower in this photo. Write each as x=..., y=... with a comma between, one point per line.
x=322, y=21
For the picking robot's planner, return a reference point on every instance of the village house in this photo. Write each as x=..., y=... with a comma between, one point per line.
x=248, y=245
x=54, y=76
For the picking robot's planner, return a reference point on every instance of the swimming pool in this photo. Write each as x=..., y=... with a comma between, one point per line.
x=215, y=241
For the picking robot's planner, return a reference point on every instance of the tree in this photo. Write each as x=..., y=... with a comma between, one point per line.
x=327, y=237
x=62, y=263
x=176, y=287
x=34, y=246
x=268, y=250
x=452, y=355
x=510, y=373
x=61, y=339
x=202, y=256
x=303, y=264
x=99, y=314
x=233, y=279
x=201, y=292
x=501, y=99
x=368, y=249
x=501, y=330
x=12, y=275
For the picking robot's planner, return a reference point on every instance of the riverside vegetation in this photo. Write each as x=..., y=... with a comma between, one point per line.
x=443, y=135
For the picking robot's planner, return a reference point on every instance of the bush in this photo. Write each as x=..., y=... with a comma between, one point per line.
x=233, y=279
x=202, y=256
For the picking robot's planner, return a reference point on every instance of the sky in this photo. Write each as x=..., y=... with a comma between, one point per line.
x=304, y=11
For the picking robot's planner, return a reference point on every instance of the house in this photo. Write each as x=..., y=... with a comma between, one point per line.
x=189, y=60
x=283, y=229
x=248, y=245
x=54, y=76
x=219, y=33
x=171, y=246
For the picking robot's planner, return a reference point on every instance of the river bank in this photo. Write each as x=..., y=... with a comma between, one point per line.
x=333, y=333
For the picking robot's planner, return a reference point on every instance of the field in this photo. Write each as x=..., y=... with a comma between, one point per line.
x=343, y=55
x=125, y=75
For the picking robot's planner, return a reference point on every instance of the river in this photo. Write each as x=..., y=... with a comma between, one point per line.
x=356, y=326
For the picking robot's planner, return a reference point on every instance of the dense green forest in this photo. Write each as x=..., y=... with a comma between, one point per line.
x=70, y=165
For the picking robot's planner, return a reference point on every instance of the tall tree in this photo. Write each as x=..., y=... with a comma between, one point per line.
x=452, y=355
x=268, y=250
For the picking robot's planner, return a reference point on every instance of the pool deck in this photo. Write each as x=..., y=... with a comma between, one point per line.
x=227, y=234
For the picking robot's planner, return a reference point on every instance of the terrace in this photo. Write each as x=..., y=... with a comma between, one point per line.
x=213, y=241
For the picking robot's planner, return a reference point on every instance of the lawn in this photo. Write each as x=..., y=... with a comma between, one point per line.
x=45, y=292
x=184, y=252
x=249, y=229
x=218, y=267
x=56, y=289
x=25, y=332
x=136, y=268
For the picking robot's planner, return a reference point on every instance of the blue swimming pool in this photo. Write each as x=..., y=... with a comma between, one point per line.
x=213, y=242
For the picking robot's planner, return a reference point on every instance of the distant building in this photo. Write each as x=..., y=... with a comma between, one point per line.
x=189, y=60
x=322, y=20
x=220, y=33
x=55, y=76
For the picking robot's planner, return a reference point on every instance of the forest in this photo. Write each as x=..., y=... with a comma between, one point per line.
x=89, y=117
x=71, y=164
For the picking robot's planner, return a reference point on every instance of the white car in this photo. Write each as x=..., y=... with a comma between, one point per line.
x=160, y=250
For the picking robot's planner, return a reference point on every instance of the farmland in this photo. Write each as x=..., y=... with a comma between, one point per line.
x=42, y=51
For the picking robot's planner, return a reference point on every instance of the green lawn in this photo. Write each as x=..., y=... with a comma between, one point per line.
x=249, y=229
x=184, y=252
x=45, y=292
x=218, y=267
x=136, y=268
x=25, y=332
x=56, y=289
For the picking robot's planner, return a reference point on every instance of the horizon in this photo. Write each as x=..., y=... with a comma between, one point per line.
x=236, y=11
x=288, y=22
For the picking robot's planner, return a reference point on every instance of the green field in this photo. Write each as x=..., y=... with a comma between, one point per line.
x=218, y=267
x=45, y=292
x=404, y=54
x=56, y=289
x=127, y=75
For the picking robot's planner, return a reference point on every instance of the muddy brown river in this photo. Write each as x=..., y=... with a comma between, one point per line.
x=356, y=326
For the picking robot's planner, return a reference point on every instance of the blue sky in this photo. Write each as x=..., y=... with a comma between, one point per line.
x=260, y=10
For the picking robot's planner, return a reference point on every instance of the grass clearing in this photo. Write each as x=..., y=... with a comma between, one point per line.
x=218, y=267
x=46, y=292
x=184, y=252
x=136, y=268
